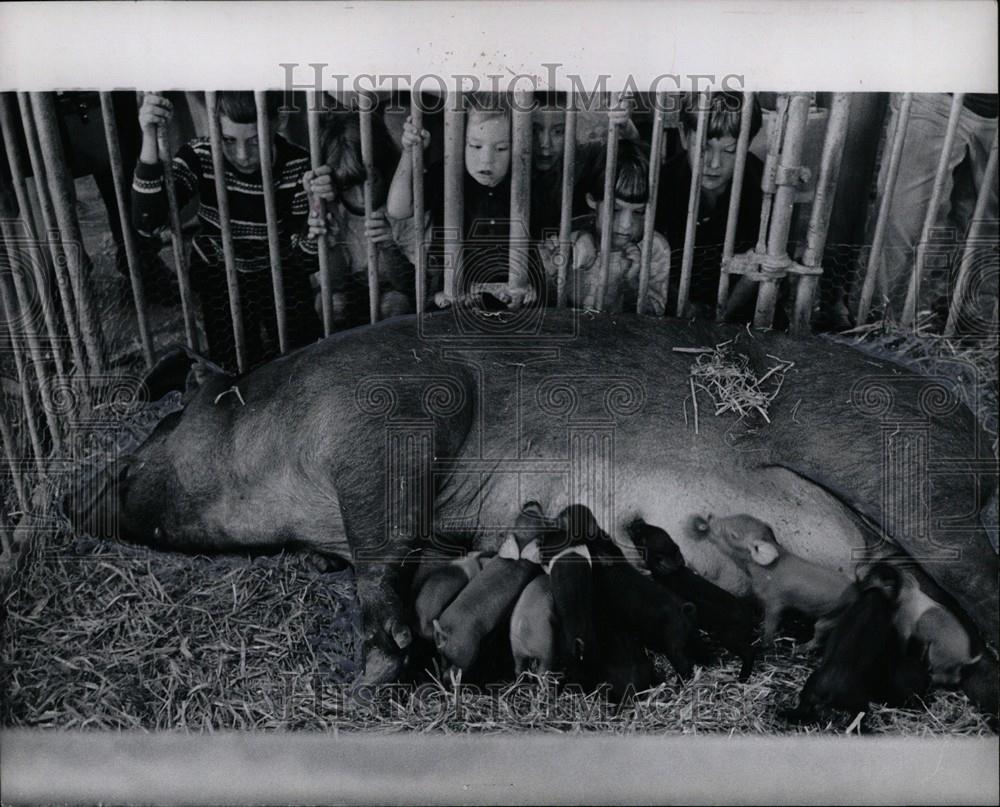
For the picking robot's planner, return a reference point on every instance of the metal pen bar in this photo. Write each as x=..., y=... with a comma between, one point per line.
x=819, y=218
x=775, y=134
x=11, y=454
x=38, y=258
x=226, y=228
x=566, y=200
x=783, y=206
x=59, y=261
x=650, y=215
x=20, y=319
x=735, y=197
x=973, y=241
x=881, y=223
x=454, y=204
x=128, y=235
x=176, y=237
x=520, y=191
x=323, y=250
x=419, y=247
x=63, y=201
x=943, y=170
x=694, y=198
x=368, y=158
x=22, y=379
x=271, y=212
x=607, y=217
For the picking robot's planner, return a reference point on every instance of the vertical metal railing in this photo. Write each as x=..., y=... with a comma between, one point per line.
x=940, y=176
x=735, y=197
x=520, y=190
x=368, y=159
x=454, y=175
x=694, y=199
x=776, y=259
x=266, y=145
x=973, y=241
x=882, y=222
x=566, y=200
x=653, y=189
x=118, y=176
x=608, y=209
x=63, y=201
x=177, y=238
x=316, y=108
x=226, y=229
x=419, y=212
x=819, y=219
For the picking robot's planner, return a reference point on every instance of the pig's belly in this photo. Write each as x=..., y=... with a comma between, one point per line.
x=805, y=518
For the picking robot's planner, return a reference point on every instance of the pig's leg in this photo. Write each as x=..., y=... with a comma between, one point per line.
x=384, y=630
x=772, y=618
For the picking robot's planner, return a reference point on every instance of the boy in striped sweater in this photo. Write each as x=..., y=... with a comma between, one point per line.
x=195, y=182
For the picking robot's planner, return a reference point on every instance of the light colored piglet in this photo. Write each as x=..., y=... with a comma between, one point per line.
x=948, y=646
x=533, y=628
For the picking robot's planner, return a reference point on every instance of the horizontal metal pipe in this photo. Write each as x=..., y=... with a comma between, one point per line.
x=694, y=199
x=128, y=235
x=419, y=247
x=943, y=170
x=226, y=229
x=520, y=191
x=566, y=200
x=822, y=209
x=649, y=220
x=368, y=158
x=974, y=240
x=63, y=202
x=783, y=205
x=316, y=106
x=735, y=196
x=454, y=204
x=271, y=212
x=881, y=223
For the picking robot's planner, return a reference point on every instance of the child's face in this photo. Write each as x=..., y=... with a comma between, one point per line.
x=487, y=149
x=627, y=219
x=719, y=160
x=549, y=129
x=240, y=145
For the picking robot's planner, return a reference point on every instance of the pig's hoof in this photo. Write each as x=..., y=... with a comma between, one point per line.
x=399, y=631
x=380, y=667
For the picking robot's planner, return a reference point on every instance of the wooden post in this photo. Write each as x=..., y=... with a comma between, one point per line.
x=226, y=228
x=881, y=223
x=819, y=219
x=735, y=196
x=943, y=170
x=454, y=174
x=323, y=250
x=128, y=235
x=11, y=454
x=419, y=247
x=607, y=219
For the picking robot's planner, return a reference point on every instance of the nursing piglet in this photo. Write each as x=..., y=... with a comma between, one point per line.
x=639, y=605
x=731, y=620
x=533, y=628
x=441, y=586
x=781, y=580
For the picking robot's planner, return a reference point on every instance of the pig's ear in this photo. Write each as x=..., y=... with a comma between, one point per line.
x=180, y=369
x=973, y=661
x=440, y=637
x=509, y=548
x=763, y=553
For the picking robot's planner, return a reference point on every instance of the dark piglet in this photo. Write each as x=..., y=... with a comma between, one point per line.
x=730, y=620
x=863, y=659
x=661, y=620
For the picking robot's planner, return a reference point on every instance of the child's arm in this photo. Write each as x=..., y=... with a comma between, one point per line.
x=399, y=202
x=149, y=200
x=655, y=301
